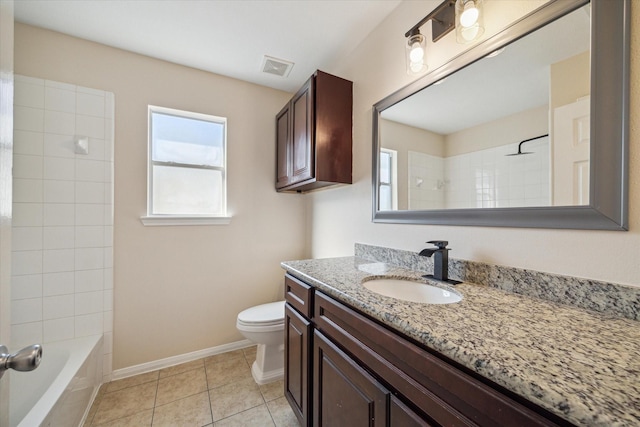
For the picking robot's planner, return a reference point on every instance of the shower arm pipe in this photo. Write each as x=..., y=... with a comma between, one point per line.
x=527, y=140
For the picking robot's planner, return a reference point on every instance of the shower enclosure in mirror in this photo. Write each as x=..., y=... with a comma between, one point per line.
x=514, y=132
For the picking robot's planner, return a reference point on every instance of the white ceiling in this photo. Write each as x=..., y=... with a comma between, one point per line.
x=221, y=36
x=514, y=81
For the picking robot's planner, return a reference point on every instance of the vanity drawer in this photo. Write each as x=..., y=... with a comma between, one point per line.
x=299, y=295
x=446, y=394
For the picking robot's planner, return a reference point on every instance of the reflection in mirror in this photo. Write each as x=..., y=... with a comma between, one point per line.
x=510, y=130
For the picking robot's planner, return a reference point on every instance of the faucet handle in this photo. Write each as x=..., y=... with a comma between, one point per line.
x=441, y=244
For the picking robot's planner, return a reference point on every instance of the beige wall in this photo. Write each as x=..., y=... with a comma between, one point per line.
x=403, y=138
x=570, y=80
x=343, y=216
x=504, y=131
x=179, y=289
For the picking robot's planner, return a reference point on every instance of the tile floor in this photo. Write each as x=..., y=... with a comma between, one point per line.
x=216, y=391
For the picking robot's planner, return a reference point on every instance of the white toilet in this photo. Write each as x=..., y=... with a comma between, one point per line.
x=264, y=325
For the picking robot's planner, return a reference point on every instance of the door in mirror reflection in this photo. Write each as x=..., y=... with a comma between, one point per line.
x=510, y=130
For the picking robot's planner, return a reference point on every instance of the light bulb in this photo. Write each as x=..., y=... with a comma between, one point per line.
x=470, y=14
x=416, y=67
x=470, y=34
x=417, y=53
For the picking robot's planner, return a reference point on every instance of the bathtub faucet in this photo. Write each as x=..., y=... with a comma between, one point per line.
x=440, y=259
x=26, y=359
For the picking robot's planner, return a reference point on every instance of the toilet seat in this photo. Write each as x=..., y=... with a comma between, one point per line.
x=265, y=315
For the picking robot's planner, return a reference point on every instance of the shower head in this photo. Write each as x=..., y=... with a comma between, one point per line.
x=520, y=152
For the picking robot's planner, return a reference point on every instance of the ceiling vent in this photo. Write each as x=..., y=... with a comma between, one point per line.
x=275, y=66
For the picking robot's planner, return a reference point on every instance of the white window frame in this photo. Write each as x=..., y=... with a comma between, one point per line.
x=151, y=219
x=393, y=175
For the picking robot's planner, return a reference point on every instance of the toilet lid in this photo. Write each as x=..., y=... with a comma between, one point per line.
x=264, y=314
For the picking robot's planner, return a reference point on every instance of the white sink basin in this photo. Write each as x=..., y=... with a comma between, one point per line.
x=408, y=290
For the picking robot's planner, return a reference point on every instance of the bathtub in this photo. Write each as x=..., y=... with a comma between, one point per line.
x=60, y=390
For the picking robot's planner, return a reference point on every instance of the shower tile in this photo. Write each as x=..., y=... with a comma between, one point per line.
x=89, y=324
x=26, y=311
x=29, y=119
x=26, y=334
x=27, y=190
x=96, y=150
x=27, y=142
x=59, y=123
x=89, y=280
x=90, y=170
x=28, y=286
x=59, y=214
x=90, y=192
x=28, y=214
x=58, y=145
x=89, y=214
x=57, y=283
x=89, y=258
x=26, y=238
x=59, y=237
x=59, y=85
x=61, y=100
x=191, y=411
x=89, y=302
x=89, y=236
x=26, y=166
x=182, y=385
x=28, y=95
x=26, y=262
x=92, y=127
x=58, y=329
x=107, y=300
x=234, y=398
x=59, y=168
x=57, y=307
x=57, y=260
x=90, y=104
x=58, y=191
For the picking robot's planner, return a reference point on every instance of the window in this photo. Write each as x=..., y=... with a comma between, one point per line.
x=387, y=187
x=187, y=167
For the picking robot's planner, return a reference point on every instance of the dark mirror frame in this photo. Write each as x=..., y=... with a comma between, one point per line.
x=608, y=208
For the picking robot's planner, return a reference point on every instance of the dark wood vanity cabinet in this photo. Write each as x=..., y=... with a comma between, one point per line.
x=359, y=372
x=298, y=356
x=314, y=135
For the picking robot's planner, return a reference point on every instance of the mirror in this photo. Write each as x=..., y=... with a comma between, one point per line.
x=514, y=132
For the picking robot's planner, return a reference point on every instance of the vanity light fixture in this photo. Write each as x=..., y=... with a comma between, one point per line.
x=466, y=16
x=469, y=20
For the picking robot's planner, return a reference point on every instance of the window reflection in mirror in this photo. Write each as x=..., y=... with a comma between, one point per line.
x=510, y=130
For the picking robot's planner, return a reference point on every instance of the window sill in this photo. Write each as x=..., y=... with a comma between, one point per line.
x=164, y=220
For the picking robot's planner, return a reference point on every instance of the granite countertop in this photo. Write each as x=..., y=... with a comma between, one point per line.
x=581, y=365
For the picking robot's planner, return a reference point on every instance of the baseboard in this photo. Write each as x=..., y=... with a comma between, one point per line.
x=176, y=360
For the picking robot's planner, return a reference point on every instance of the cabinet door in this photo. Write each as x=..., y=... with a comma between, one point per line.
x=283, y=147
x=344, y=393
x=302, y=144
x=402, y=416
x=297, y=369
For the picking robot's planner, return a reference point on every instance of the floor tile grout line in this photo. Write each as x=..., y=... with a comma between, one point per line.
x=206, y=378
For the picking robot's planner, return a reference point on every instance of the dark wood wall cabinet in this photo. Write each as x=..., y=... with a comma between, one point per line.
x=344, y=369
x=314, y=135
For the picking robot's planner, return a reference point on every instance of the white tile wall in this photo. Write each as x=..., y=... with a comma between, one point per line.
x=487, y=178
x=62, y=284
